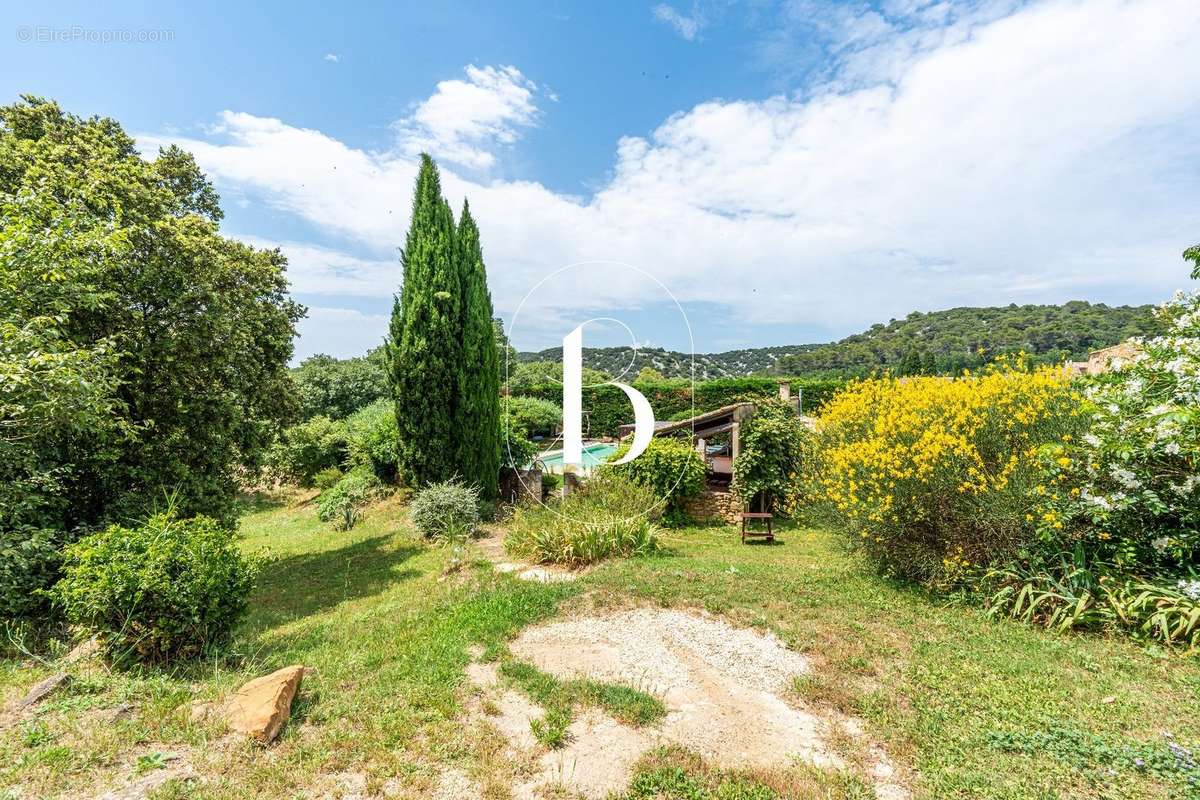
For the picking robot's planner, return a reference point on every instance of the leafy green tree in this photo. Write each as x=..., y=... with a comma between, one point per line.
x=425, y=351
x=769, y=468
x=179, y=338
x=1193, y=254
x=911, y=363
x=479, y=389
x=506, y=353
x=929, y=363
x=649, y=375
x=336, y=388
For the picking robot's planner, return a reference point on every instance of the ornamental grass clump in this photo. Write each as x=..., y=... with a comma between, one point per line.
x=931, y=476
x=601, y=520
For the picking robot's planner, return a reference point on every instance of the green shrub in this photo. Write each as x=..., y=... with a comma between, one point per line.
x=442, y=507
x=670, y=468
x=934, y=477
x=29, y=563
x=327, y=478
x=551, y=483
x=167, y=590
x=775, y=450
x=516, y=449
x=533, y=415
x=598, y=521
x=373, y=439
x=342, y=503
x=304, y=450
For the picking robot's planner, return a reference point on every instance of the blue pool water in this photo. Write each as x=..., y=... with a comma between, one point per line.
x=593, y=456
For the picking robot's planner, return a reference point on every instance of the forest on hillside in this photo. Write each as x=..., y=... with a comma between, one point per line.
x=962, y=338
x=926, y=342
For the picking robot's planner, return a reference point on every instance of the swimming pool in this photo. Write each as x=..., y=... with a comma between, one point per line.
x=593, y=456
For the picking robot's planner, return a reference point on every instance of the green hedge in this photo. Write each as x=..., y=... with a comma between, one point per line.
x=608, y=407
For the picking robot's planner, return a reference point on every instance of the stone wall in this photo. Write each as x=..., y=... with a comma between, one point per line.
x=714, y=506
x=520, y=486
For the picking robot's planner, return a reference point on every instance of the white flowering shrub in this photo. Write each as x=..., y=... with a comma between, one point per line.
x=1118, y=509
x=1130, y=485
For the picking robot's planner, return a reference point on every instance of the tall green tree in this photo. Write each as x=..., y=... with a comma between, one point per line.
x=479, y=390
x=425, y=349
x=178, y=339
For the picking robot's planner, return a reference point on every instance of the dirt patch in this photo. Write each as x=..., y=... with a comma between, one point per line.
x=492, y=546
x=721, y=684
x=724, y=688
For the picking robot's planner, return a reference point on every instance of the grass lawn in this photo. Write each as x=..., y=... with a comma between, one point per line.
x=971, y=707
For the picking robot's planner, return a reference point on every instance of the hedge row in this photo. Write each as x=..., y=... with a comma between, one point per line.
x=607, y=407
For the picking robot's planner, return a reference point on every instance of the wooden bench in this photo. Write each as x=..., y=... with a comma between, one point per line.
x=748, y=516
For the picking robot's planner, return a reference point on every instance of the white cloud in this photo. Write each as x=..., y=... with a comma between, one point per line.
x=339, y=332
x=334, y=57
x=1039, y=158
x=464, y=120
x=323, y=271
x=686, y=25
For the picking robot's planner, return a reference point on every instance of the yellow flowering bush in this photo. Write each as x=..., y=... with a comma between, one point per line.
x=931, y=475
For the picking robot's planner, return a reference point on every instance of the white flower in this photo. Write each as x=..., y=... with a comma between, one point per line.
x=1125, y=477
x=1172, y=448
x=1161, y=543
x=1092, y=439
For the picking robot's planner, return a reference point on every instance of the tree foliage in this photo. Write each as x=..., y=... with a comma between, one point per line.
x=442, y=352
x=157, y=347
x=774, y=448
x=425, y=355
x=479, y=390
x=968, y=338
x=337, y=387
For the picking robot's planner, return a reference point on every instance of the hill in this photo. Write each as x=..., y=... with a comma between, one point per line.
x=935, y=342
x=674, y=364
x=960, y=338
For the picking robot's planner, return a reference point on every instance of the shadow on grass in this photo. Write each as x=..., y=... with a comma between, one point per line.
x=308, y=583
x=257, y=502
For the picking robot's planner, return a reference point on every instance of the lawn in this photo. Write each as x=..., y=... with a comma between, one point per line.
x=971, y=707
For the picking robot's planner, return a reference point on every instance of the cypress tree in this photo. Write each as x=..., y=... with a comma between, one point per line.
x=425, y=356
x=479, y=392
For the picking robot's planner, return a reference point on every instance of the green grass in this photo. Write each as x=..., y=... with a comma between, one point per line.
x=624, y=703
x=973, y=707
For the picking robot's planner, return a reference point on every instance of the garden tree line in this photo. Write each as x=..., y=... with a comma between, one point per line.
x=442, y=357
x=142, y=353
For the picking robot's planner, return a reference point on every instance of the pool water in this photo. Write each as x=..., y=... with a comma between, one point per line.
x=593, y=456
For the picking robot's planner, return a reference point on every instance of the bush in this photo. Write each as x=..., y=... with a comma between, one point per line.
x=932, y=476
x=342, y=503
x=170, y=589
x=29, y=563
x=516, y=449
x=775, y=451
x=441, y=507
x=533, y=415
x=373, y=439
x=589, y=525
x=327, y=478
x=1117, y=509
x=670, y=468
x=308, y=448
x=1128, y=490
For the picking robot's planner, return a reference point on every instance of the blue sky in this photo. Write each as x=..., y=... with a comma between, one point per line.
x=792, y=172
